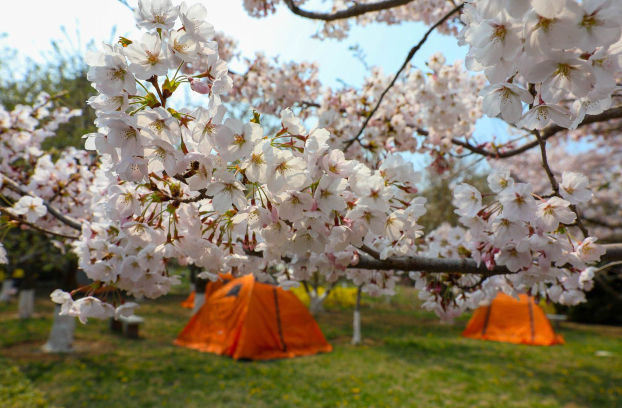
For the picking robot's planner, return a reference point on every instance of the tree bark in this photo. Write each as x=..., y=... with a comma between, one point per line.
x=26, y=304
x=193, y=280
x=60, y=339
x=356, y=336
x=61, y=336
x=354, y=11
x=7, y=289
x=316, y=303
x=199, y=291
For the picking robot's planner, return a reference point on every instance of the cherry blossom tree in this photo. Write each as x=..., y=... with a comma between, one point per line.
x=168, y=182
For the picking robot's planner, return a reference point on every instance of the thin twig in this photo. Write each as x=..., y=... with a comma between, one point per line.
x=545, y=163
x=410, y=55
x=553, y=181
x=35, y=227
x=154, y=81
x=547, y=132
x=51, y=209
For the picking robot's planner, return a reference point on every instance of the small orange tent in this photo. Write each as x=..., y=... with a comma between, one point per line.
x=512, y=321
x=210, y=288
x=246, y=319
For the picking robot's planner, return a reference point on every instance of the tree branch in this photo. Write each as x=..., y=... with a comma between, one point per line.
x=425, y=264
x=410, y=55
x=440, y=265
x=354, y=11
x=547, y=132
x=545, y=163
x=35, y=227
x=51, y=209
x=554, y=183
x=602, y=223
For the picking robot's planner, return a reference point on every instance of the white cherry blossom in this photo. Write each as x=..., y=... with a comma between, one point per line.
x=518, y=203
x=574, y=187
x=505, y=99
x=32, y=207
x=468, y=200
x=553, y=212
x=156, y=14
x=146, y=57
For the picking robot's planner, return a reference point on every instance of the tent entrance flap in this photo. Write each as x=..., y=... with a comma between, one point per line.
x=210, y=288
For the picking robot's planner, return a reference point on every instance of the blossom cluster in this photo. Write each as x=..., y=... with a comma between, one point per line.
x=199, y=186
x=442, y=104
x=270, y=86
x=215, y=191
x=516, y=228
x=558, y=57
x=63, y=183
x=604, y=167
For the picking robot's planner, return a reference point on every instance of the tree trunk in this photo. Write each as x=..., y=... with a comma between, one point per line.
x=7, y=289
x=60, y=339
x=356, y=337
x=193, y=279
x=316, y=303
x=199, y=291
x=26, y=304
x=61, y=336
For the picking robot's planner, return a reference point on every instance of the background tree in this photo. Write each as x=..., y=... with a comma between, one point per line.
x=62, y=72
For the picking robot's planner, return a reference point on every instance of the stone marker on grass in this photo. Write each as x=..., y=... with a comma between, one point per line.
x=61, y=336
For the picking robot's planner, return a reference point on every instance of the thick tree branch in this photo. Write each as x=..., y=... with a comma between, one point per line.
x=425, y=264
x=410, y=55
x=439, y=265
x=354, y=11
x=547, y=132
x=51, y=209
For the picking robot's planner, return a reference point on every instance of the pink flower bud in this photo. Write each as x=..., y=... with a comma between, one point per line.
x=274, y=215
x=314, y=205
x=199, y=86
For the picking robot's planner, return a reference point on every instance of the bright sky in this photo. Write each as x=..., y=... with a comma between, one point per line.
x=281, y=34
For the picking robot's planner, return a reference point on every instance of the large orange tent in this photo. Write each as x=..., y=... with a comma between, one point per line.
x=512, y=321
x=211, y=287
x=246, y=319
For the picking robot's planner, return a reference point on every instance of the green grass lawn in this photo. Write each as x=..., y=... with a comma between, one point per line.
x=409, y=359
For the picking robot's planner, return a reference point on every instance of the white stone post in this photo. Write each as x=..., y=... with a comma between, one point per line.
x=7, y=289
x=61, y=336
x=26, y=303
x=356, y=336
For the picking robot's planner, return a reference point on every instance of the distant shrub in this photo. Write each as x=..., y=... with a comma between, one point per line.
x=338, y=297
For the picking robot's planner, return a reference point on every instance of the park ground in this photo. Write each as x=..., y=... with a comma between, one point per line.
x=408, y=359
